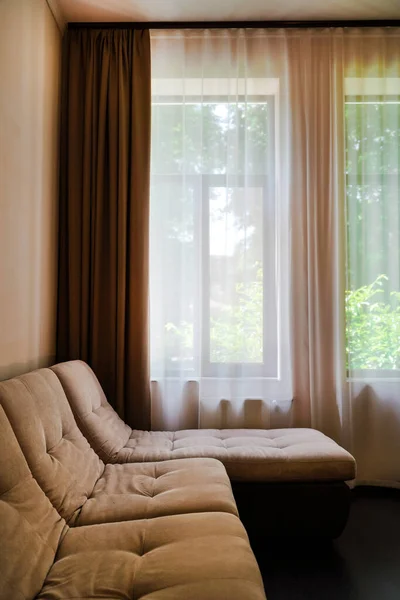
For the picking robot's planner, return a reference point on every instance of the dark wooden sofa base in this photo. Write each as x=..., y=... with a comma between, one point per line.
x=293, y=509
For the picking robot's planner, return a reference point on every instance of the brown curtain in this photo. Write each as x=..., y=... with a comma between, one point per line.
x=104, y=212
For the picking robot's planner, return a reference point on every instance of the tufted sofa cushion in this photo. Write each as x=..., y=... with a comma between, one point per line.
x=59, y=456
x=147, y=490
x=248, y=454
x=76, y=480
x=30, y=528
x=100, y=424
x=202, y=556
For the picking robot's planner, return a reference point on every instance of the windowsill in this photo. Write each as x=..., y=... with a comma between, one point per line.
x=191, y=378
x=374, y=375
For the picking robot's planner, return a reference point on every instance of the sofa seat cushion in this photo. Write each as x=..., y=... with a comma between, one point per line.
x=199, y=556
x=249, y=454
x=147, y=490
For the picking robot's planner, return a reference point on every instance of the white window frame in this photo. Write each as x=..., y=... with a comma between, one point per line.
x=252, y=378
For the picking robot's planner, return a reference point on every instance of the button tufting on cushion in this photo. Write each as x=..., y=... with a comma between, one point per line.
x=177, y=557
x=146, y=490
x=59, y=456
x=30, y=528
x=250, y=454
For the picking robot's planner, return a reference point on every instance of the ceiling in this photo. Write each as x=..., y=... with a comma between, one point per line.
x=226, y=10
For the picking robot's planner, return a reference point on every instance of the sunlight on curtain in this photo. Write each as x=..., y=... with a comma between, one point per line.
x=317, y=275
x=344, y=207
x=372, y=141
x=373, y=230
x=219, y=237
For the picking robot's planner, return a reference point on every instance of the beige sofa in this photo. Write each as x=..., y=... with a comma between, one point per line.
x=298, y=475
x=90, y=508
x=197, y=556
x=73, y=527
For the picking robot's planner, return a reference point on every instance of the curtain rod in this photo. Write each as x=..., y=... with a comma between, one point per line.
x=232, y=24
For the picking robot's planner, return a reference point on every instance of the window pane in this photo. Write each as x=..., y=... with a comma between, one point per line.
x=373, y=219
x=210, y=137
x=172, y=274
x=213, y=237
x=236, y=276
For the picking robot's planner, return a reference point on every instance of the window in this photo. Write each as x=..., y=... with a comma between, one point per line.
x=373, y=225
x=215, y=231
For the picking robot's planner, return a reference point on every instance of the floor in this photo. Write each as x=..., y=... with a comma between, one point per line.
x=363, y=564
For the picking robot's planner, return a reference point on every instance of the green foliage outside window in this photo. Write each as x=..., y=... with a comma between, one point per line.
x=373, y=232
x=237, y=336
x=373, y=327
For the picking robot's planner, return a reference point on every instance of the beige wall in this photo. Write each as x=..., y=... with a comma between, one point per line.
x=30, y=49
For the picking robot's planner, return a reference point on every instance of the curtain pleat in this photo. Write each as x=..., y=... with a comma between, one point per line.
x=104, y=213
x=317, y=204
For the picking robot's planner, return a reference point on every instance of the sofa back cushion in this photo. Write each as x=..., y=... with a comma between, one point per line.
x=59, y=456
x=98, y=421
x=30, y=527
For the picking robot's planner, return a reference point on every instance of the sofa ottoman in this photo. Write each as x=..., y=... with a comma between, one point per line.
x=297, y=475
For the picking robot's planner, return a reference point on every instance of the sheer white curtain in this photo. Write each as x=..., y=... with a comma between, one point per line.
x=275, y=234
x=219, y=229
x=372, y=141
